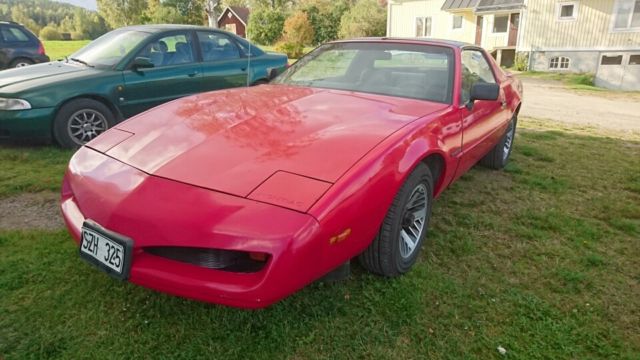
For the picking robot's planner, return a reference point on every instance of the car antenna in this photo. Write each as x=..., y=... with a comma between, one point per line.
x=249, y=63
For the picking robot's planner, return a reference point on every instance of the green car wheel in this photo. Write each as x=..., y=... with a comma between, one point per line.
x=80, y=121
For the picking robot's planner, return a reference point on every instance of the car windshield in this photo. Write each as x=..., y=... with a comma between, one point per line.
x=405, y=70
x=110, y=48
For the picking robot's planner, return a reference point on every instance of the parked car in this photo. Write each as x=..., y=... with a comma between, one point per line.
x=19, y=47
x=243, y=196
x=123, y=73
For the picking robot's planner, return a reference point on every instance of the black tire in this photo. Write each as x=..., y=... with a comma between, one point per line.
x=72, y=113
x=498, y=157
x=19, y=62
x=385, y=255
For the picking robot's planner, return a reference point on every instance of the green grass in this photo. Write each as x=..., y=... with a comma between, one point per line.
x=57, y=49
x=541, y=259
x=31, y=169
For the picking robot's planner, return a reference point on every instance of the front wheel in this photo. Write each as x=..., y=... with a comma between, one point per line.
x=498, y=157
x=81, y=121
x=404, y=229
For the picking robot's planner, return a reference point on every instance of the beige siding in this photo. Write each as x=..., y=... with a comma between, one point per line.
x=591, y=30
x=403, y=20
x=491, y=40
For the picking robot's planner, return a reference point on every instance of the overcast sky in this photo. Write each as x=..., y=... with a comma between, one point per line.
x=87, y=4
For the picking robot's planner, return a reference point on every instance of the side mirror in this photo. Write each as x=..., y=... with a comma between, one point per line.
x=142, y=63
x=483, y=91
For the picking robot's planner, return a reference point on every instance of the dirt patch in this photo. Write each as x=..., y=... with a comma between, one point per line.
x=38, y=211
x=547, y=99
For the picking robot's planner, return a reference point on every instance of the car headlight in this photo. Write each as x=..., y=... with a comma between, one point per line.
x=14, y=104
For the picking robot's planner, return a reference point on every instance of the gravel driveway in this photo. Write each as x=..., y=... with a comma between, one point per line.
x=548, y=99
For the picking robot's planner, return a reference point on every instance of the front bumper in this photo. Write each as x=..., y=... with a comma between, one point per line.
x=159, y=212
x=26, y=123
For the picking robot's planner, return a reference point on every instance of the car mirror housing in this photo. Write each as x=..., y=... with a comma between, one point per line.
x=142, y=63
x=483, y=91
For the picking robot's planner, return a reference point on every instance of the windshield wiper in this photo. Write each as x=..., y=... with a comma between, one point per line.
x=81, y=62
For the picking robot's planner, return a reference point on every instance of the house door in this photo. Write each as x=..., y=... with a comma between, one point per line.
x=479, y=20
x=514, y=24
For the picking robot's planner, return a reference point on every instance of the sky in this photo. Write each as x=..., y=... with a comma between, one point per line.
x=87, y=4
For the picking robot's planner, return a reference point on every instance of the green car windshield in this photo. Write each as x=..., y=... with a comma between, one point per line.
x=109, y=49
x=422, y=72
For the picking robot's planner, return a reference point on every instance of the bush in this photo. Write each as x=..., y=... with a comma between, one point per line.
x=365, y=18
x=265, y=26
x=293, y=50
x=521, y=62
x=50, y=33
x=298, y=29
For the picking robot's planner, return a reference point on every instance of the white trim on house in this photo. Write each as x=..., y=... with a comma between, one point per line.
x=493, y=24
x=585, y=49
x=614, y=16
x=573, y=17
x=453, y=21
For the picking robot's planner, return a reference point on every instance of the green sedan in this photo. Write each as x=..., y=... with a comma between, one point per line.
x=123, y=73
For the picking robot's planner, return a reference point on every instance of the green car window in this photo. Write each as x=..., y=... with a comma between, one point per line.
x=111, y=48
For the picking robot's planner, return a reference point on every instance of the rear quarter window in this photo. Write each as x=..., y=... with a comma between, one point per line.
x=12, y=34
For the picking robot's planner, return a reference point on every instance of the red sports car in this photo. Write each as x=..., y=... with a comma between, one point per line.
x=243, y=196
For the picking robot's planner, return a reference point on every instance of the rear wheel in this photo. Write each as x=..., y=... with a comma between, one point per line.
x=80, y=121
x=21, y=62
x=498, y=157
x=404, y=230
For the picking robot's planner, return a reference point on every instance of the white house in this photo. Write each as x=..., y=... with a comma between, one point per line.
x=596, y=36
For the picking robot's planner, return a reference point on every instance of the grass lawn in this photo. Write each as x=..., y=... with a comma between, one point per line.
x=541, y=259
x=57, y=49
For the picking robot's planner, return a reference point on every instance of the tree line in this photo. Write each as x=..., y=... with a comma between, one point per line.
x=289, y=24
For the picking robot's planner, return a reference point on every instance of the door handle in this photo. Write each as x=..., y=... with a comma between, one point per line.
x=192, y=74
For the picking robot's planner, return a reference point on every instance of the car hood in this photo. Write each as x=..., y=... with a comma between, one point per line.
x=19, y=79
x=234, y=140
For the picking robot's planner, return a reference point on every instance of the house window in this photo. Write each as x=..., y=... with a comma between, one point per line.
x=626, y=15
x=568, y=10
x=634, y=59
x=457, y=22
x=611, y=60
x=423, y=26
x=559, y=63
x=500, y=23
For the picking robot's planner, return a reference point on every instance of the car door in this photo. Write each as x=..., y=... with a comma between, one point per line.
x=481, y=125
x=176, y=72
x=223, y=64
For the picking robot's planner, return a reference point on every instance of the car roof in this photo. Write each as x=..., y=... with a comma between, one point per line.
x=155, y=28
x=430, y=41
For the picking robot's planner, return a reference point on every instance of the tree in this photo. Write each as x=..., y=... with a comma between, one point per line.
x=120, y=13
x=210, y=9
x=365, y=18
x=265, y=26
x=49, y=33
x=298, y=29
x=325, y=16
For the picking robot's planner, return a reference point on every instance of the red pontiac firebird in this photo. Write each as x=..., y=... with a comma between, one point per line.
x=242, y=197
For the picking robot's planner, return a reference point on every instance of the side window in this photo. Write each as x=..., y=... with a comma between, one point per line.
x=217, y=46
x=475, y=68
x=13, y=34
x=174, y=49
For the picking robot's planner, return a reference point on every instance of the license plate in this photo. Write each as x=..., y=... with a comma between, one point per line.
x=109, y=251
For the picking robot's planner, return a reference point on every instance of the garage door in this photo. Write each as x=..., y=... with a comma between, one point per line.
x=619, y=71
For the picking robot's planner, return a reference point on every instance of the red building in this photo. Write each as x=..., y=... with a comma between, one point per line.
x=234, y=19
